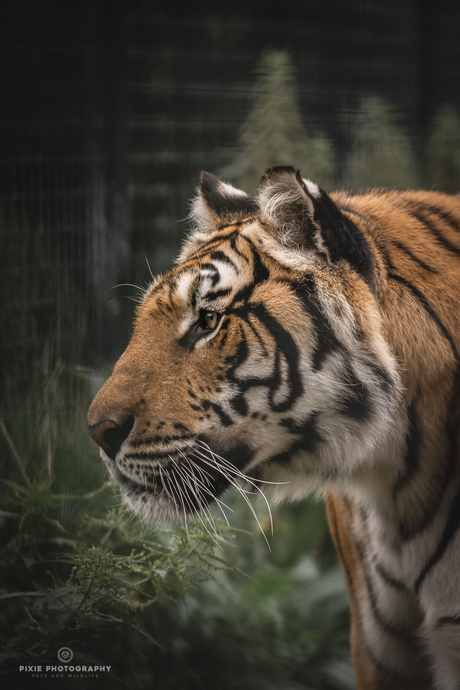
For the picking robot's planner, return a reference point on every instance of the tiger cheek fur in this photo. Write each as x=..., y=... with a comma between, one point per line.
x=305, y=342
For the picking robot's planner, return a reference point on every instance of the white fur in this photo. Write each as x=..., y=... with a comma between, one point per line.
x=312, y=188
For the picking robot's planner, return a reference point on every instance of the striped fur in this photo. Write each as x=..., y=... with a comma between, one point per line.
x=307, y=342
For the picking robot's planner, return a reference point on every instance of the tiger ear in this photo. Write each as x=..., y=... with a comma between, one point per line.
x=219, y=203
x=305, y=218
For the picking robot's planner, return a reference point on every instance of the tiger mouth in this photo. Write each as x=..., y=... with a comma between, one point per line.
x=183, y=480
x=190, y=478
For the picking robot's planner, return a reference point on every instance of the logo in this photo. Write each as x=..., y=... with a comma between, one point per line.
x=65, y=655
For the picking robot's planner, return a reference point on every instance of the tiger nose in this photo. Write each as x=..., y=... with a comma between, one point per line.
x=109, y=435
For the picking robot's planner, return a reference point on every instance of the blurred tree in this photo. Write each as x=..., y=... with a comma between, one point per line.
x=274, y=134
x=443, y=151
x=381, y=154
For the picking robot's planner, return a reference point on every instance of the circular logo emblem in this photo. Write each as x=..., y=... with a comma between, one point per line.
x=65, y=655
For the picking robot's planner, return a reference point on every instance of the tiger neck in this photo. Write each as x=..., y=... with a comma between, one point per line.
x=415, y=500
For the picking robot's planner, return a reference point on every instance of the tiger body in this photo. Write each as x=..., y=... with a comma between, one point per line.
x=311, y=342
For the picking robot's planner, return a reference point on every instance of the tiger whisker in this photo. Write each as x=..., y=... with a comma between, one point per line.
x=236, y=470
x=231, y=481
x=190, y=480
x=220, y=503
x=200, y=470
x=192, y=487
x=240, y=475
x=171, y=495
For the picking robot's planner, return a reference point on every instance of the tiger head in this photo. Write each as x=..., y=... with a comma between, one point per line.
x=259, y=357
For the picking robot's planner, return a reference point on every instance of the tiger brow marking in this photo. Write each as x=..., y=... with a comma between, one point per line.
x=217, y=293
x=207, y=250
x=217, y=255
x=237, y=224
x=214, y=241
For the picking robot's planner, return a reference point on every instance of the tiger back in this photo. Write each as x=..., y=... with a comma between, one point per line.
x=307, y=342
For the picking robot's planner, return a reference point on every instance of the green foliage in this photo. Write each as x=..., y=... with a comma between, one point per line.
x=87, y=578
x=273, y=132
x=381, y=153
x=443, y=151
x=282, y=616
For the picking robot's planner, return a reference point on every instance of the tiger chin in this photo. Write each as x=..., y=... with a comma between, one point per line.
x=309, y=342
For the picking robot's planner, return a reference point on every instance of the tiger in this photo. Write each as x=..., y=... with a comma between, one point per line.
x=309, y=342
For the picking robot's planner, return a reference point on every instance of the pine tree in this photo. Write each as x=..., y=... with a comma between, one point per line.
x=381, y=154
x=274, y=134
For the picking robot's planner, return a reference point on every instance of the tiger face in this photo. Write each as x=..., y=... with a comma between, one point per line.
x=259, y=358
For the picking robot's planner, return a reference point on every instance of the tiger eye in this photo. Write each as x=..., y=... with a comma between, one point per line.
x=210, y=319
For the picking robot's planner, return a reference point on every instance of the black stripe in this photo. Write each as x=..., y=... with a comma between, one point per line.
x=213, y=270
x=410, y=531
x=309, y=438
x=216, y=294
x=260, y=275
x=356, y=402
x=414, y=258
x=343, y=561
x=383, y=668
x=388, y=626
x=223, y=416
x=444, y=215
x=448, y=620
x=326, y=340
x=260, y=340
x=218, y=255
x=389, y=579
x=285, y=346
x=207, y=247
x=450, y=529
x=343, y=238
x=449, y=470
x=415, y=210
x=429, y=309
x=411, y=460
x=239, y=223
